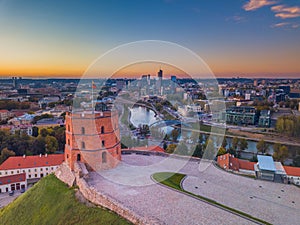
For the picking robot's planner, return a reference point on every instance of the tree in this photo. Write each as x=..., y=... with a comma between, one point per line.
x=262, y=146
x=224, y=142
x=5, y=154
x=296, y=161
x=174, y=134
x=171, y=148
x=276, y=146
x=281, y=154
x=38, y=145
x=51, y=144
x=235, y=143
x=198, y=151
x=221, y=151
x=44, y=132
x=165, y=146
x=243, y=144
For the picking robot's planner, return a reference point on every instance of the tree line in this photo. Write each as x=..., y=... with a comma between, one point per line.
x=44, y=140
x=289, y=125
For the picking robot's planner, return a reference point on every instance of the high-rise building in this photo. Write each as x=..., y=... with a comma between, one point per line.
x=159, y=82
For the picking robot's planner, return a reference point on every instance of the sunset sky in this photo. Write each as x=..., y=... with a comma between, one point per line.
x=246, y=38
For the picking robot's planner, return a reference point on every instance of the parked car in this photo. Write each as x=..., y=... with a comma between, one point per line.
x=22, y=190
x=11, y=193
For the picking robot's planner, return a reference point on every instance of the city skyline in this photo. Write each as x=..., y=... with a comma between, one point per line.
x=245, y=38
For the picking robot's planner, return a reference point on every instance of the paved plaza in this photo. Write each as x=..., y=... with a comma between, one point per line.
x=131, y=184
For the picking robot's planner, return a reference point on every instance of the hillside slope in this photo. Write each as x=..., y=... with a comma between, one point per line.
x=50, y=201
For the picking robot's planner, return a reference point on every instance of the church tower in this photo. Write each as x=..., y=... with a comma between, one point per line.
x=93, y=138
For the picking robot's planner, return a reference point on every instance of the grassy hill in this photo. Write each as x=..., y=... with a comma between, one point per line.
x=50, y=201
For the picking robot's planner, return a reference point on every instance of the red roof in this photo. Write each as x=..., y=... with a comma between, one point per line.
x=292, y=171
x=13, y=178
x=20, y=162
x=153, y=148
x=4, y=111
x=246, y=165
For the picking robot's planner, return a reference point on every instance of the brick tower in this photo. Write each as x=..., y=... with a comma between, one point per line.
x=93, y=138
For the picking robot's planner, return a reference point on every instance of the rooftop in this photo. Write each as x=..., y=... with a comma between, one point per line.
x=266, y=163
x=292, y=171
x=12, y=178
x=20, y=162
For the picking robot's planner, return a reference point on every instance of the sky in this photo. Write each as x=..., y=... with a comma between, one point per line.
x=245, y=38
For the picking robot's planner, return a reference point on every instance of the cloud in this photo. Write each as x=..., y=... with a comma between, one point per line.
x=285, y=12
x=285, y=25
x=256, y=4
x=280, y=25
x=236, y=19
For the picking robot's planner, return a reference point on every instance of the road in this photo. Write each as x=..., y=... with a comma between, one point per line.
x=5, y=199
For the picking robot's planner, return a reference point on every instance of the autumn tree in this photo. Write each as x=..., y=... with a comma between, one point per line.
x=5, y=154
x=281, y=153
x=174, y=134
x=243, y=144
x=262, y=146
x=51, y=144
x=221, y=151
x=235, y=143
x=171, y=148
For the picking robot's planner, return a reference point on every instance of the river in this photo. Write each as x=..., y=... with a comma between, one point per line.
x=142, y=115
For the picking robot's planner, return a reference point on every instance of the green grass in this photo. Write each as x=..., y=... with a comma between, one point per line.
x=174, y=180
x=169, y=179
x=50, y=201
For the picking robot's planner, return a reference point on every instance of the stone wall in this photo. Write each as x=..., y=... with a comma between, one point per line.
x=97, y=198
x=65, y=174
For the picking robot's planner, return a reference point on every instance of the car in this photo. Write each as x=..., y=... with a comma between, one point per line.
x=11, y=193
x=22, y=190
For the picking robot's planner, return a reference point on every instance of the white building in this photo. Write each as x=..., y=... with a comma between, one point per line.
x=13, y=182
x=293, y=174
x=34, y=167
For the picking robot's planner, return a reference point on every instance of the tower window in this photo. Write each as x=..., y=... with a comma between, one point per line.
x=68, y=141
x=83, y=145
x=104, y=157
x=69, y=127
x=102, y=130
x=103, y=143
x=82, y=130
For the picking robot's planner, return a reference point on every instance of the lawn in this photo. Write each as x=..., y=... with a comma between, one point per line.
x=50, y=201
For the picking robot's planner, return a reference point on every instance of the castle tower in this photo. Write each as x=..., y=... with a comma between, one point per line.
x=93, y=138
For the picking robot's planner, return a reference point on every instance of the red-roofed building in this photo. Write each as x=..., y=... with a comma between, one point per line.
x=35, y=167
x=13, y=182
x=153, y=148
x=229, y=162
x=293, y=174
x=246, y=165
